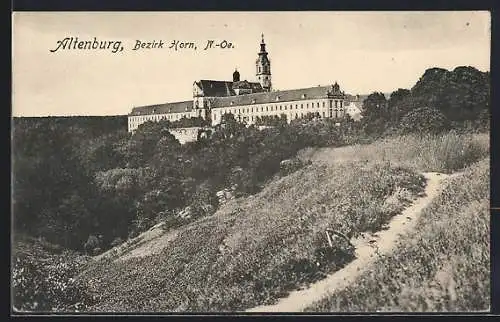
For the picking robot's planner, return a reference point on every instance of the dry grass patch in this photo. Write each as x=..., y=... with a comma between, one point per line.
x=445, y=153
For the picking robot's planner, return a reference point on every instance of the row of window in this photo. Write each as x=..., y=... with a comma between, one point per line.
x=335, y=113
x=135, y=121
x=278, y=107
x=271, y=108
x=159, y=117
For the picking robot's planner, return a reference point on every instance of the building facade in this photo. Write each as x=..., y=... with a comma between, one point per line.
x=247, y=101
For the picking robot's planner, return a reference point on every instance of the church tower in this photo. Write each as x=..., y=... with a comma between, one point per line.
x=263, y=65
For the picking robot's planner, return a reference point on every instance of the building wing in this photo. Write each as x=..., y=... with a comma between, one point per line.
x=273, y=97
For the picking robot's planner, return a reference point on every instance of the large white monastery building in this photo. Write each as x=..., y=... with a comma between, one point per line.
x=248, y=101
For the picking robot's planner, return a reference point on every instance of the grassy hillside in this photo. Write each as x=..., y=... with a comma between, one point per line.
x=443, y=265
x=255, y=249
x=448, y=152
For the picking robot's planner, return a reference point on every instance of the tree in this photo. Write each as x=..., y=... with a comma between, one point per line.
x=483, y=121
x=142, y=143
x=203, y=201
x=197, y=121
x=69, y=223
x=167, y=152
x=120, y=190
x=271, y=120
x=460, y=94
x=399, y=104
x=375, y=113
x=229, y=127
x=424, y=120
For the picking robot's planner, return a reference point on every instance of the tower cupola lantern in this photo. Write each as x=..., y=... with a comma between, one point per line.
x=236, y=76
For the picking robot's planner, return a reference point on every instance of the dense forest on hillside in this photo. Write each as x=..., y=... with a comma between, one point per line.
x=86, y=184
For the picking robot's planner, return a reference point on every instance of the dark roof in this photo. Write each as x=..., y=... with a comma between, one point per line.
x=176, y=107
x=256, y=87
x=241, y=84
x=272, y=97
x=214, y=88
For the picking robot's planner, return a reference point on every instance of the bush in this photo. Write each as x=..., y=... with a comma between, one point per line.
x=91, y=244
x=424, y=120
x=117, y=241
x=290, y=165
x=44, y=282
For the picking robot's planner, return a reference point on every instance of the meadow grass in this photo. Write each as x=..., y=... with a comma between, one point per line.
x=256, y=249
x=443, y=265
x=445, y=153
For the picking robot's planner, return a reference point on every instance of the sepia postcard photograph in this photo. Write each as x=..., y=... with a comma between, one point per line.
x=250, y=162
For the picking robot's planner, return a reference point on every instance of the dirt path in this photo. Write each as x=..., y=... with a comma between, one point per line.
x=368, y=248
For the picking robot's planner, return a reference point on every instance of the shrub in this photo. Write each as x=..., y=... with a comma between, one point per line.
x=44, y=282
x=91, y=244
x=117, y=241
x=290, y=165
x=424, y=120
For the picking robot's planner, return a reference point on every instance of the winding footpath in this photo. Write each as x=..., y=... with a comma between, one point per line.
x=368, y=248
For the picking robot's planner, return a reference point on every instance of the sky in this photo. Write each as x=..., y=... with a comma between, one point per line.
x=362, y=51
